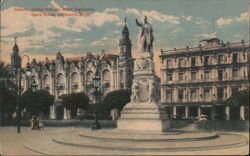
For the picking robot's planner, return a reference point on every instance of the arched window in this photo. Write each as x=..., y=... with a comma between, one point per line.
x=60, y=84
x=106, y=75
x=74, y=82
x=89, y=77
x=105, y=81
x=121, y=79
x=46, y=82
x=74, y=78
x=60, y=79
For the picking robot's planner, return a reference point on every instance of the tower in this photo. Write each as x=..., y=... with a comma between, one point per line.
x=125, y=61
x=15, y=58
x=125, y=42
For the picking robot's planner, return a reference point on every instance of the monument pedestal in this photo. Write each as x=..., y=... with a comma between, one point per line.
x=144, y=113
x=143, y=117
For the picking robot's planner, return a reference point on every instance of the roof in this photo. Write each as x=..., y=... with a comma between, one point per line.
x=79, y=58
x=210, y=45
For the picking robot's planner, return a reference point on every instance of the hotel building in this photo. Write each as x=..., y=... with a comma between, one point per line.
x=196, y=81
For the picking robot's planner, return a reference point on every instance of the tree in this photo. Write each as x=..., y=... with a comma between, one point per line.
x=8, y=102
x=8, y=96
x=116, y=99
x=37, y=102
x=75, y=100
x=6, y=77
x=238, y=99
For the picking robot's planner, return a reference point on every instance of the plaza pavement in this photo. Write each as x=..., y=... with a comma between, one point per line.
x=12, y=143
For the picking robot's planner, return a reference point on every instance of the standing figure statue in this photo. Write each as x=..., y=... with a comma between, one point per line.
x=146, y=37
x=151, y=91
x=135, y=92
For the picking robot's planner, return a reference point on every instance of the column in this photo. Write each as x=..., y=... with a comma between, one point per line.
x=67, y=114
x=186, y=111
x=199, y=112
x=242, y=112
x=125, y=78
x=174, y=111
x=52, y=112
x=227, y=112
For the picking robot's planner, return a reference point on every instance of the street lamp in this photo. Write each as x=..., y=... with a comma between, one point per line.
x=34, y=86
x=96, y=81
x=19, y=93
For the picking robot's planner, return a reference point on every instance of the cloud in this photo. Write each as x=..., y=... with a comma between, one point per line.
x=244, y=17
x=206, y=35
x=224, y=21
x=188, y=18
x=199, y=20
x=154, y=15
x=96, y=43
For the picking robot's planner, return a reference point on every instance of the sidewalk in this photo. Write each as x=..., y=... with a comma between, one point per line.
x=12, y=143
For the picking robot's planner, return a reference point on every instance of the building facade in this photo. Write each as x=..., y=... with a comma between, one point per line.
x=197, y=81
x=67, y=75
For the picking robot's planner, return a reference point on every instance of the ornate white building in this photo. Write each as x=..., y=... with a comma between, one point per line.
x=66, y=75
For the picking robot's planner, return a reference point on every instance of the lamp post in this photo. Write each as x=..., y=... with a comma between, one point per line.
x=19, y=93
x=96, y=80
x=34, y=86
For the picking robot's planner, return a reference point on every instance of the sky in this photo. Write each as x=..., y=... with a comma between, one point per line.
x=176, y=24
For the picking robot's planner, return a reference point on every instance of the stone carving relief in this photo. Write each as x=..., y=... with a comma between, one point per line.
x=143, y=63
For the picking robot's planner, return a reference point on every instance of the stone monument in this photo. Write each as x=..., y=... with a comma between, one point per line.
x=144, y=112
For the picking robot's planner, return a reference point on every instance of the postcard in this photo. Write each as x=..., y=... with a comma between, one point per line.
x=124, y=77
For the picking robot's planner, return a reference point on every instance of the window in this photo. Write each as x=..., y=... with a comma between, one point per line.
x=181, y=62
x=169, y=64
x=74, y=78
x=206, y=75
x=121, y=79
x=180, y=95
x=169, y=96
x=206, y=60
x=181, y=76
x=206, y=94
x=244, y=56
x=220, y=59
x=235, y=57
x=235, y=90
x=220, y=75
x=193, y=94
x=193, y=75
x=220, y=94
x=169, y=77
x=244, y=74
x=235, y=74
x=193, y=61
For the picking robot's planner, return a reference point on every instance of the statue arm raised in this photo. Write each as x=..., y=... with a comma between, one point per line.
x=138, y=23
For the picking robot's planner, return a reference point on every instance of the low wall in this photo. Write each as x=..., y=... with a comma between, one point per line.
x=208, y=125
x=222, y=125
x=58, y=123
x=80, y=123
x=178, y=124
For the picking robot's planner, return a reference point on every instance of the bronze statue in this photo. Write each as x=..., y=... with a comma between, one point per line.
x=146, y=37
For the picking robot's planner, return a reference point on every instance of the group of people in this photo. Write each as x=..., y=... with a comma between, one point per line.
x=36, y=124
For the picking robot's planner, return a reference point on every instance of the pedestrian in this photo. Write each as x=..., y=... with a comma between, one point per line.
x=41, y=125
x=32, y=120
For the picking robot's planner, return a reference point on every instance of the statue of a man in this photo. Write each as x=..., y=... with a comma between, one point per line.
x=135, y=91
x=151, y=91
x=146, y=37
